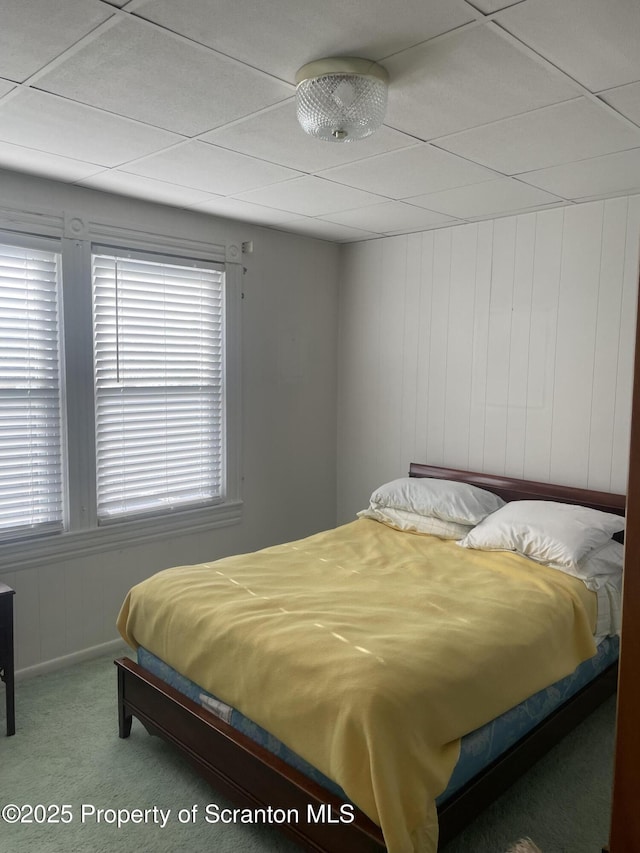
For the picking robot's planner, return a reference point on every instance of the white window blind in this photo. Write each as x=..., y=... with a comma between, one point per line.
x=31, y=460
x=159, y=384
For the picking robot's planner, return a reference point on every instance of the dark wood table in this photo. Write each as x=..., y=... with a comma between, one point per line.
x=6, y=653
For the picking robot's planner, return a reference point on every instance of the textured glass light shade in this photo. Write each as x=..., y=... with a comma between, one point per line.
x=341, y=100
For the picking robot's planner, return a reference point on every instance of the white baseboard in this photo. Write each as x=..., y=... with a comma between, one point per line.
x=113, y=647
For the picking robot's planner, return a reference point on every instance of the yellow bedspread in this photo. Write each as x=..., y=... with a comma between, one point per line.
x=369, y=652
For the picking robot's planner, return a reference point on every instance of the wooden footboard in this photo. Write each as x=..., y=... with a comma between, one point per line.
x=241, y=770
x=251, y=777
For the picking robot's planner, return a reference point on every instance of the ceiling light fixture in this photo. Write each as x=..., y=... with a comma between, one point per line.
x=341, y=99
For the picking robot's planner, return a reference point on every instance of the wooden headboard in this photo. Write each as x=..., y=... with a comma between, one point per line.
x=510, y=489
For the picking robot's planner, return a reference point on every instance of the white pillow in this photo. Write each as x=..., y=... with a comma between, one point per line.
x=556, y=534
x=607, y=560
x=411, y=522
x=444, y=499
x=601, y=572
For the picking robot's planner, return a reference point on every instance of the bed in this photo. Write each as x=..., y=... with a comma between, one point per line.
x=252, y=776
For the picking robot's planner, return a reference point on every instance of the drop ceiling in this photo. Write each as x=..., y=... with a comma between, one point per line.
x=495, y=107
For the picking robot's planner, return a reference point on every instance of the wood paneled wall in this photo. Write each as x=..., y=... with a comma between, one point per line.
x=504, y=346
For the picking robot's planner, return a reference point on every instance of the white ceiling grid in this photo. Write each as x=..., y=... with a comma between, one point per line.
x=495, y=107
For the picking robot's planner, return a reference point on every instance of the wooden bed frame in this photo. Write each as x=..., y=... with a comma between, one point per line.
x=250, y=776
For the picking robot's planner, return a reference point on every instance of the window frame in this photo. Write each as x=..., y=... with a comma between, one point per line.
x=53, y=246
x=82, y=535
x=134, y=389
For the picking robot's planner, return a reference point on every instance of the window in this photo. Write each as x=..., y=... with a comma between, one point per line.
x=120, y=392
x=159, y=383
x=31, y=424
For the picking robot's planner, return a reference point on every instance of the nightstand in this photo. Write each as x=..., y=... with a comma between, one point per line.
x=6, y=652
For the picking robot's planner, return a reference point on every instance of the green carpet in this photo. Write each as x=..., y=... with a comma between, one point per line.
x=67, y=751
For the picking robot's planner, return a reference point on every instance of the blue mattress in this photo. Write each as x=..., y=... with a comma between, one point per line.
x=479, y=748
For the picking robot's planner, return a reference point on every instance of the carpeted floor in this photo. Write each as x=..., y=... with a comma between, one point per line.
x=67, y=752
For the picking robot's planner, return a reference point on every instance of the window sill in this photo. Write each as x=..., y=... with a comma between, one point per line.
x=48, y=549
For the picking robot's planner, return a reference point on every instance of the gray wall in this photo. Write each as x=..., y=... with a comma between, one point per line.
x=67, y=608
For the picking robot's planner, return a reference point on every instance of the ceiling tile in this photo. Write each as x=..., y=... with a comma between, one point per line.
x=275, y=135
x=626, y=100
x=45, y=165
x=613, y=173
x=48, y=123
x=389, y=217
x=233, y=208
x=5, y=87
x=410, y=172
x=486, y=199
x=144, y=73
x=489, y=6
x=295, y=32
x=470, y=78
x=31, y=36
x=311, y=196
x=407, y=229
x=594, y=41
x=207, y=167
x=327, y=230
x=124, y=183
x=559, y=134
